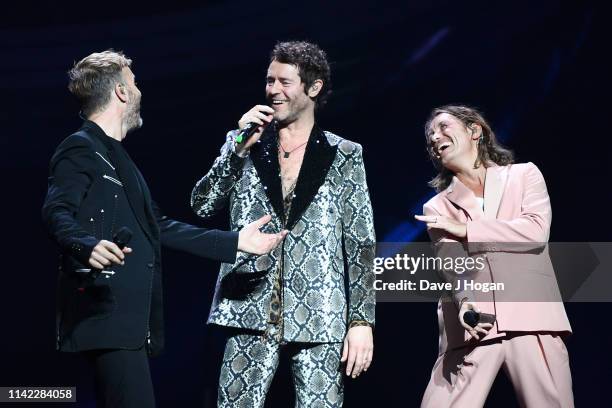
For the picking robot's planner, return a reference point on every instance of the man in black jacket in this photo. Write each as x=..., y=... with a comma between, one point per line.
x=110, y=304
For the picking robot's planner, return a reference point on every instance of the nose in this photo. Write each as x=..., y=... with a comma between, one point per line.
x=435, y=137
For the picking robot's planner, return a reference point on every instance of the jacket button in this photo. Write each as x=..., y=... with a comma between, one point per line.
x=150, y=264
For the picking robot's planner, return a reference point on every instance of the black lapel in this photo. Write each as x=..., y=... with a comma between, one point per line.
x=127, y=176
x=134, y=191
x=318, y=158
x=264, y=155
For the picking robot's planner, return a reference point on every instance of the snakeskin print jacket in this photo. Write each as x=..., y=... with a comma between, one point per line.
x=327, y=258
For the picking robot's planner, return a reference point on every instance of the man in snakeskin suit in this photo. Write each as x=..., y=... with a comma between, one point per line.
x=312, y=297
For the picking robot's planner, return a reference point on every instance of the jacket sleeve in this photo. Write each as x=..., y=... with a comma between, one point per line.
x=533, y=223
x=207, y=243
x=72, y=171
x=360, y=243
x=447, y=246
x=212, y=192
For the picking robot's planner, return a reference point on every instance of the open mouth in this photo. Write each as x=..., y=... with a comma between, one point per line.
x=278, y=101
x=444, y=146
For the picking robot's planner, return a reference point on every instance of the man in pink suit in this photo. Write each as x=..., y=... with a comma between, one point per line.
x=488, y=204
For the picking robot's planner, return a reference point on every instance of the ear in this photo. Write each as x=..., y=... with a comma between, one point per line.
x=475, y=130
x=315, y=88
x=121, y=92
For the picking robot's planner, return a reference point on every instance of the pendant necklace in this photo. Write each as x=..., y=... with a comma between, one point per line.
x=287, y=153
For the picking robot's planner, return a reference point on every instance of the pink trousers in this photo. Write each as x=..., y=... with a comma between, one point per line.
x=537, y=365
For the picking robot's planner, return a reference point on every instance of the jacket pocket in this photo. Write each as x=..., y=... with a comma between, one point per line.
x=94, y=302
x=112, y=180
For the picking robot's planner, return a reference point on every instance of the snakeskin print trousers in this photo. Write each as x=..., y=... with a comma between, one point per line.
x=250, y=361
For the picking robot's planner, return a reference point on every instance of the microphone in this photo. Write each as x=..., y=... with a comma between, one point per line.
x=121, y=239
x=247, y=132
x=472, y=318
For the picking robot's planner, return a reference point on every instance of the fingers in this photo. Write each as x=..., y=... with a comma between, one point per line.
x=112, y=248
x=432, y=221
x=344, y=351
x=360, y=356
x=95, y=264
x=253, y=241
x=358, y=360
x=472, y=332
x=263, y=221
x=110, y=256
x=105, y=254
x=350, y=362
x=368, y=360
x=426, y=218
x=265, y=119
x=483, y=328
x=100, y=260
x=259, y=114
x=267, y=242
x=278, y=238
x=255, y=119
x=264, y=108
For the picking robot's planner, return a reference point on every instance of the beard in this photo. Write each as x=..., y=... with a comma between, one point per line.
x=292, y=114
x=133, y=120
x=294, y=110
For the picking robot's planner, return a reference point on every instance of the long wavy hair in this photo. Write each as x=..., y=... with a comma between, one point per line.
x=489, y=149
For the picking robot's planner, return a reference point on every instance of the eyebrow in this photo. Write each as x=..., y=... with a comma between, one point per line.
x=279, y=78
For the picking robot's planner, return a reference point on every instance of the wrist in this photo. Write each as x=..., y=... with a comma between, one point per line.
x=240, y=245
x=240, y=150
x=357, y=323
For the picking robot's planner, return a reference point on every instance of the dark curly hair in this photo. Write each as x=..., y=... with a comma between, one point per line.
x=489, y=149
x=311, y=62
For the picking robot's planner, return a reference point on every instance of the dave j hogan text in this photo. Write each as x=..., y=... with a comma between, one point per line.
x=426, y=285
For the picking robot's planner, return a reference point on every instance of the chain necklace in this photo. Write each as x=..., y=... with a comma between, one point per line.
x=287, y=153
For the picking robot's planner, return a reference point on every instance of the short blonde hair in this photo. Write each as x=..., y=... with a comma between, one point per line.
x=93, y=78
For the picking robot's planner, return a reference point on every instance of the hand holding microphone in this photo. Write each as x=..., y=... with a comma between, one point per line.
x=251, y=126
x=107, y=253
x=473, y=321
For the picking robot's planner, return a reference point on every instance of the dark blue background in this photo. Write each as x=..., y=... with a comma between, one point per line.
x=535, y=68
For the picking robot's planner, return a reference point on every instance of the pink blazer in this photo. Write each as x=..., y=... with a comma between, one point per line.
x=516, y=210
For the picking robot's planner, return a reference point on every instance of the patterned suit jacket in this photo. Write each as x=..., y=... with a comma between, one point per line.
x=327, y=279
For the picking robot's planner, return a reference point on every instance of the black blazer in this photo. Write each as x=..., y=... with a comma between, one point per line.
x=95, y=189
